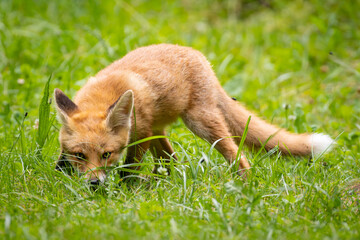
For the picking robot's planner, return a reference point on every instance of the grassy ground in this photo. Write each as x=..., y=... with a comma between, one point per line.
x=296, y=63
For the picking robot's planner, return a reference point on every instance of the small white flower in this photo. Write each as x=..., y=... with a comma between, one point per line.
x=292, y=117
x=286, y=106
x=201, y=26
x=21, y=81
x=36, y=124
x=162, y=171
x=121, y=162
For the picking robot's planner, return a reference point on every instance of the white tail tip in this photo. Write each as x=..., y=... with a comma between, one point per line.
x=320, y=143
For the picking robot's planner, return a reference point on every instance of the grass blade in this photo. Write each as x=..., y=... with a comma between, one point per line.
x=44, y=116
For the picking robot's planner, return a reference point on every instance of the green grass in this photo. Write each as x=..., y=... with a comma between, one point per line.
x=275, y=59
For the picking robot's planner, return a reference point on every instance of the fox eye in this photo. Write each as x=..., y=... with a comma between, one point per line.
x=79, y=155
x=106, y=155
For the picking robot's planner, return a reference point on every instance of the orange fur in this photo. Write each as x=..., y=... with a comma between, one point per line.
x=166, y=82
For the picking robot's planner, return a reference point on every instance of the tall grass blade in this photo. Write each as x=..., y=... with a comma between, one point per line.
x=243, y=137
x=44, y=116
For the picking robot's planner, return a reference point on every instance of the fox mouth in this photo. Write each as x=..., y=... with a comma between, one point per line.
x=95, y=182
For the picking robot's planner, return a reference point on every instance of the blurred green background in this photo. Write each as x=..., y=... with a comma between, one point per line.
x=296, y=63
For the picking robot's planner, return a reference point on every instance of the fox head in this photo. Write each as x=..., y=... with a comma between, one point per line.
x=90, y=140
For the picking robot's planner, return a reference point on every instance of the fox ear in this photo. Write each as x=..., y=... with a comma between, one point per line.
x=65, y=107
x=120, y=112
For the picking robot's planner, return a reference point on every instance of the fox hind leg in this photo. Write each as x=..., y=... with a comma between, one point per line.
x=210, y=125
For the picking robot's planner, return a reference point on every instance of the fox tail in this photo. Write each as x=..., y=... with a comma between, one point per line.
x=260, y=132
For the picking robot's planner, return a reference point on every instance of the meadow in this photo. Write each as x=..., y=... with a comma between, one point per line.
x=295, y=63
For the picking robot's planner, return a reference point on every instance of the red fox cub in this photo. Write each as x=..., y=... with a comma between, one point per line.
x=139, y=95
